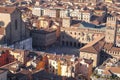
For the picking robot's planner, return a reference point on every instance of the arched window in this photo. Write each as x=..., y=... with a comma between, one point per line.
x=66, y=43
x=70, y=43
x=74, y=44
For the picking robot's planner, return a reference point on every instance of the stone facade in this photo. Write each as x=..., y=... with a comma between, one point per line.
x=76, y=36
x=43, y=38
x=3, y=74
x=111, y=26
x=14, y=27
x=79, y=33
x=51, y=13
x=87, y=55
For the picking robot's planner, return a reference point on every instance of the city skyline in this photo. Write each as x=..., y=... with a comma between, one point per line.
x=59, y=39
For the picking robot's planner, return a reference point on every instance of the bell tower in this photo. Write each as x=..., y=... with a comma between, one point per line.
x=111, y=27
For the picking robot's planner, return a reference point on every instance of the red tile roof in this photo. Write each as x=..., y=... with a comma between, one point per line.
x=94, y=46
x=112, y=69
x=7, y=9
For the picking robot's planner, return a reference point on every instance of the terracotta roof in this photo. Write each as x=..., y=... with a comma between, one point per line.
x=7, y=9
x=116, y=49
x=1, y=1
x=112, y=69
x=110, y=47
x=94, y=46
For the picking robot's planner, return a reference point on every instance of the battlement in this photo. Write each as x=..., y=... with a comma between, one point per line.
x=111, y=19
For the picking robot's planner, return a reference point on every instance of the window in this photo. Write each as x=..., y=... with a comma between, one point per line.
x=79, y=45
x=75, y=33
x=70, y=43
x=66, y=43
x=16, y=25
x=74, y=44
x=50, y=67
x=53, y=70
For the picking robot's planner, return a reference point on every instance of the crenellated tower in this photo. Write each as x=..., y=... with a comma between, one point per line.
x=111, y=28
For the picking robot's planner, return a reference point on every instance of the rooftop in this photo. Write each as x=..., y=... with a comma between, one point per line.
x=112, y=69
x=44, y=31
x=92, y=26
x=8, y=10
x=94, y=46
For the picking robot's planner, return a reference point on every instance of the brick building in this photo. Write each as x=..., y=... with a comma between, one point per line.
x=43, y=37
x=12, y=27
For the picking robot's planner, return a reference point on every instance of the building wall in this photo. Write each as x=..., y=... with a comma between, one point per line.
x=76, y=13
x=65, y=70
x=85, y=69
x=53, y=66
x=5, y=18
x=63, y=13
x=71, y=68
x=25, y=44
x=93, y=56
x=111, y=25
x=66, y=22
x=4, y=58
x=75, y=36
x=38, y=39
x=3, y=76
x=43, y=39
x=37, y=11
x=50, y=12
x=115, y=54
x=110, y=1
x=14, y=27
x=50, y=38
x=86, y=16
